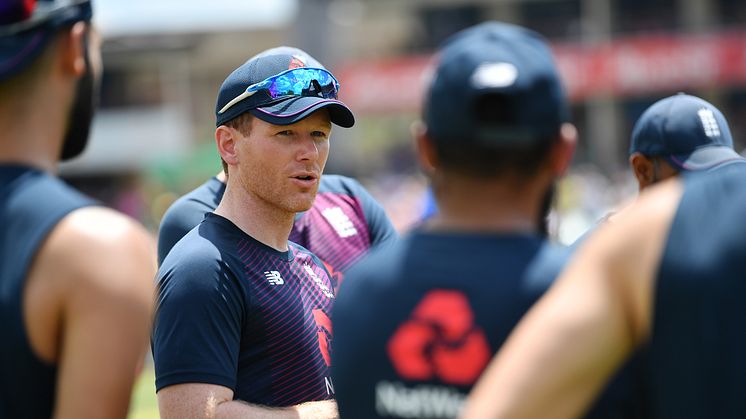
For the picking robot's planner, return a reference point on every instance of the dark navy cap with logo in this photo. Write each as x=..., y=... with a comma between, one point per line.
x=280, y=111
x=495, y=61
x=690, y=133
x=26, y=26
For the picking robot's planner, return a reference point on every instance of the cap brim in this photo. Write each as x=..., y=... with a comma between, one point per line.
x=294, y=109
x=20, y=50
x=705, y=158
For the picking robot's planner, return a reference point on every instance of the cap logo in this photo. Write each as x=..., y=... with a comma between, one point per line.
x=296, y=62
x=709, y=123
x=491, y=75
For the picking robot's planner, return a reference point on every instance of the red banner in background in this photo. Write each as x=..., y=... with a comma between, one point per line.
x=624, y=67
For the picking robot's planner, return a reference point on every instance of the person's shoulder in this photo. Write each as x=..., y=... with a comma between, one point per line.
x=196, y=251
x=90, y=243
x=547, y=264
x=379, y=268
x=197, y=202
x=340, y=184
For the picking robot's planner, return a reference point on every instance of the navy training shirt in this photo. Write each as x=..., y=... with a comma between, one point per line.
x=344, y=222
x=698, y=344
x=237, y=313
x=31, y=204
x=416, y=322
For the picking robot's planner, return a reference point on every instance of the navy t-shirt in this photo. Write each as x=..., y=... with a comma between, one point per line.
x=237, y=313
x=698, y=344
x=415, y=323
x=344, y=222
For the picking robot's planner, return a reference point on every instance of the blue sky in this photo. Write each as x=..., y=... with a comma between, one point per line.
x=128, y=17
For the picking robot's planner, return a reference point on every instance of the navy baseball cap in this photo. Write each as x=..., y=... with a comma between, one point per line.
x=281, y=111
x=26, y=26
x=495, y=60
x=690, y=133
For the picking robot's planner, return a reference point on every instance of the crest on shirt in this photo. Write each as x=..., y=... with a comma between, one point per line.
x=340, y=221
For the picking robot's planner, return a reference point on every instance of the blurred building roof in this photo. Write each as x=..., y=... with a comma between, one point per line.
x=118, y=18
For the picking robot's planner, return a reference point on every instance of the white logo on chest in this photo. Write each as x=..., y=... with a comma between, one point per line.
x=340, y=221
x=274, y=278
x=324, y=288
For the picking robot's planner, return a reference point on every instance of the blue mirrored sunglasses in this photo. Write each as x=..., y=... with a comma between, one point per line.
x=302, y=81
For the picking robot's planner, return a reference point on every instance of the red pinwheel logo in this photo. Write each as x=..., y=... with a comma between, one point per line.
x=440, y=340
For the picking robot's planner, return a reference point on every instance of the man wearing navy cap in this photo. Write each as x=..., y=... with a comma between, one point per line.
x=75, y=278
x=243, y=319
x=344, y=222
x=680, y=133
x=416, y=323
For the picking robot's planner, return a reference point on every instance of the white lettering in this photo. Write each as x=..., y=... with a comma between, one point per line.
x=424, y=401
x=329, y=385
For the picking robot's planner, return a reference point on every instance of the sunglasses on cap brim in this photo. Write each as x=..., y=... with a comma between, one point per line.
x=296, y=82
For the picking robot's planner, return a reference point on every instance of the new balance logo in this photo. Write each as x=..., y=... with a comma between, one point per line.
x=340, y=221
x=709, y=123
x=274, y=278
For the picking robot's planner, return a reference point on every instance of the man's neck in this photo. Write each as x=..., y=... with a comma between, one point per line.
x=256, y=217
x=487, y=206
x=32, y=128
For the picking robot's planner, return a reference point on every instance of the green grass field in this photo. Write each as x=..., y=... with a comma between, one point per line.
x=144, y=404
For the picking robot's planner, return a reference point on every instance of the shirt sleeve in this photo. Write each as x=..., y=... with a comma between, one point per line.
x=380, y=227
x=181, y=217
x=197, y=330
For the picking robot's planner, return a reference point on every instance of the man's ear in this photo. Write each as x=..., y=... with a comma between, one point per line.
x=72, y=49
x=642, y=168
x=226, y=140
x=424, y=148
x=564, y=149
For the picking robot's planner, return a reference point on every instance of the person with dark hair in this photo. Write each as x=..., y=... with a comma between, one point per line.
x=242, y=326
x=415, y=323
x=76, y=290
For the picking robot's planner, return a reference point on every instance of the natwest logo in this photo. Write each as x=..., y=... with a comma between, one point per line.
x=440, y=341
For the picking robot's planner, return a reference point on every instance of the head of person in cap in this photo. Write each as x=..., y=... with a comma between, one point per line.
x=76, y=278
x=274, y=117
x=495, y=121
x=680, y=133
x=32, y=33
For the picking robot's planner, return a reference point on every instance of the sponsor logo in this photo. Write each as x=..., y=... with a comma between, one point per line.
x=319, y=282
x=324, y=333
x=423, y=401
x=274, y=278
x=340, y=221
x=440, y=341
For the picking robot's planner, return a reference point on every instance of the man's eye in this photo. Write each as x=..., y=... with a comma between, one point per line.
x=286, y=132
x=319, y=134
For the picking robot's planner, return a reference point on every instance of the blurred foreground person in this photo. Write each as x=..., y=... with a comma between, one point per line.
x=667, y=274
x=415, y=323
x=76, y=289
